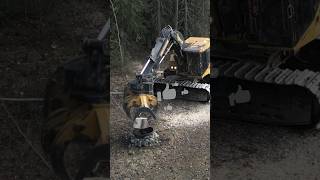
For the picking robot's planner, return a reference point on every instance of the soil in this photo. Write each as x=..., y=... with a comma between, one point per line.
x=183, y=152
x=31, y=48
x=243, y=150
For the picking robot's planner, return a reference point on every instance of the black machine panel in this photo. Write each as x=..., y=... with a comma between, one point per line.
x=278, y=23
x=267, y=103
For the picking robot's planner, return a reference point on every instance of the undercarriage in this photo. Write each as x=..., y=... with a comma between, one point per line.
x=251, y=90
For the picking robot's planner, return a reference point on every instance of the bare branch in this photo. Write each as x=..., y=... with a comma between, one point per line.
x=22, y=99
x=25, y=137
x=118, y=32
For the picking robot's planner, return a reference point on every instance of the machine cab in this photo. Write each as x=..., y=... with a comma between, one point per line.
x=197, y=56
x=195, y=60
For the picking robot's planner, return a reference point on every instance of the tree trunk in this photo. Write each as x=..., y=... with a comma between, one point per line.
x=118, y=33
x=159, y=15
x=177, y=14
x=185, y=17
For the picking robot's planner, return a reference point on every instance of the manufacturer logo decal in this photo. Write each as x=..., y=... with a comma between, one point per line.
x=241, y=96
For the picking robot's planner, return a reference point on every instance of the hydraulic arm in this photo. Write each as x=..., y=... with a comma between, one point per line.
x=139, y=99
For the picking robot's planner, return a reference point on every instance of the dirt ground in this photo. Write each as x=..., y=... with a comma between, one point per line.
x=242, y=150
x=31, y=48
x=183, y=152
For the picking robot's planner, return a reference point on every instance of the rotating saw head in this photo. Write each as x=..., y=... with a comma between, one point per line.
x=77, y=109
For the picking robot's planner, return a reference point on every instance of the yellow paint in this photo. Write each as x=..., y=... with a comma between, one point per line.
x=311, y=33
x=206, y=72
x=87, y=120
x=197, y=44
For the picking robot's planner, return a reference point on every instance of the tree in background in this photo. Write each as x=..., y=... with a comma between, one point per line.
x=140, y=21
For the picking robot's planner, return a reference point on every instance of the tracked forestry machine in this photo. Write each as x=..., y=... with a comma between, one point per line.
x=266, y=61
x=186, y=76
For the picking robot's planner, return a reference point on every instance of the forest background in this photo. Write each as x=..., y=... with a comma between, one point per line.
x=137, y=25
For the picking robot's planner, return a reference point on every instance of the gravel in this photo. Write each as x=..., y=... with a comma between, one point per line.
x=243, y=150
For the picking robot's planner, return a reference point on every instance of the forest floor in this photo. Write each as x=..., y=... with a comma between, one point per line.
x=183, y=152
x=243, y=150
x=31, y=48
